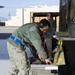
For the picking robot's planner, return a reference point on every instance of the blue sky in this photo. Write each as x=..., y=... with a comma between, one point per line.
x=12, y=5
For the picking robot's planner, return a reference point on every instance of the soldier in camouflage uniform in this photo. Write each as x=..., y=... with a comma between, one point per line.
x=26, y=34
x=50, y=32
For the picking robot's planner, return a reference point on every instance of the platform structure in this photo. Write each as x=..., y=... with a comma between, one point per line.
x=43, y=70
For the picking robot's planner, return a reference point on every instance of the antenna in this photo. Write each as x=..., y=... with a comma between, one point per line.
x=9, y=15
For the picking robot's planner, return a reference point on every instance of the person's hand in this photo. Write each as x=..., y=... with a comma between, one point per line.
x=47, y=61
x=40, y=58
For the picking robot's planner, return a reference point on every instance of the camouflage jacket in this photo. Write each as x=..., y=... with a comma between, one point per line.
x=29, y=33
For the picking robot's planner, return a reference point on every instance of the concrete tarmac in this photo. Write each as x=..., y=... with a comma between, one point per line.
x=5, y=63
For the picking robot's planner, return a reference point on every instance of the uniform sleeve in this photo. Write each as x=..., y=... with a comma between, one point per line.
x=36, y=41
x=52, y=26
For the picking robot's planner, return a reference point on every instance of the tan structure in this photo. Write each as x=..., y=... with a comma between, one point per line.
x=32, y=14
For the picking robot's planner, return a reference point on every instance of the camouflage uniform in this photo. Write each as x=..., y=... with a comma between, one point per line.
x=18, y=60
x=48, y=37
x=27, y=33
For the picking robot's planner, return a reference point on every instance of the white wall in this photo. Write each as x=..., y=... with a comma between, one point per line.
x=16, y=20
x=23, y=14
x=26, y=15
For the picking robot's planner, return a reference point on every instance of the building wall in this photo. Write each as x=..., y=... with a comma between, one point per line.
x=26, y=15
x=23, y=15
x=16, y=20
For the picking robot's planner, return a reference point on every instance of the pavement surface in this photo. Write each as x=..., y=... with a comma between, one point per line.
x=5, y=62
x=4, y=67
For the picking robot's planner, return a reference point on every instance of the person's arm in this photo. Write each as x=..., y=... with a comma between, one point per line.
x=35, y=39
x=40, y=50
x=37, y=43
x=47, y=61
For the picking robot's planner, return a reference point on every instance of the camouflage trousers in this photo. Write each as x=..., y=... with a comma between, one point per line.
x=19, y=60
x=49, y=46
